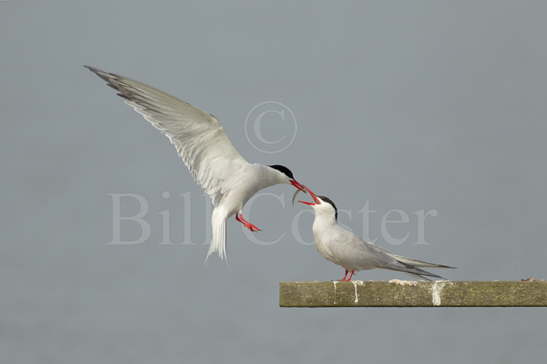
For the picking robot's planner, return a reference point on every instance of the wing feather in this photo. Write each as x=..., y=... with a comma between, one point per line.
x=197, y=135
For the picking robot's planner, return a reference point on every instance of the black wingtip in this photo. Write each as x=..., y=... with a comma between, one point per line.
x=92, y=69
x=96, y=71
x=100, y=73
x=445, y=266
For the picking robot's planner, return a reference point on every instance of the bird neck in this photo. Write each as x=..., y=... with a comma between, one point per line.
x=323, y=220
x=269, y=176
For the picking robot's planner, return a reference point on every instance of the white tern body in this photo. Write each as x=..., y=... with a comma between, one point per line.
x=216, y=165
x=343, y=247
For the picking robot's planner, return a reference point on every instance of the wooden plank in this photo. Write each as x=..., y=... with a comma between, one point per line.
x=396, y=293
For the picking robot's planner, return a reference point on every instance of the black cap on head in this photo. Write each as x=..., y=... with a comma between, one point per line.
x=328, y=200
x=287, y=172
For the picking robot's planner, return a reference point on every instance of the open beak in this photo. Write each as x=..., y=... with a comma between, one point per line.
x=298, y=185
x=313, y=196
x=301, y=188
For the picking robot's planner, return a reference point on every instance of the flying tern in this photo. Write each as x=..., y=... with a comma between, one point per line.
x=216, y=165
x=344, y=248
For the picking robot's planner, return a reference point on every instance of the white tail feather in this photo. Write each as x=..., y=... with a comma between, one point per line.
x=218, y=240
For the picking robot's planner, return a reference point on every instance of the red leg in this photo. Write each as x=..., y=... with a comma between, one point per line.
x=350, y=275
x=345, y=276
x=248, y=225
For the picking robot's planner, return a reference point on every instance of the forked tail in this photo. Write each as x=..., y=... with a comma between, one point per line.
x=413, y=267
x=218, y=240
x=419, y=263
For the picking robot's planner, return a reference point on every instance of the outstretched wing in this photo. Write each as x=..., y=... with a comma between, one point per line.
x=197, y=135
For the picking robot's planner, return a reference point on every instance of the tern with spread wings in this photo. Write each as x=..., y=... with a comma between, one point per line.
x=216, y=165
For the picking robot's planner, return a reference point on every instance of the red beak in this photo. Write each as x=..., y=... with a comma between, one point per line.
x=313, y=196
x=298, y=185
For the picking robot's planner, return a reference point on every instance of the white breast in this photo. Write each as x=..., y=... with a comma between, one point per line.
x=325, y=237
x=341, y=246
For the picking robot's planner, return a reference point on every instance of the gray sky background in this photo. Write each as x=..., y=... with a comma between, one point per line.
x=405, y=104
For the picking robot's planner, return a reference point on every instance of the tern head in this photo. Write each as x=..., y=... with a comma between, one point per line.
x=322, y=205
x=287, y=176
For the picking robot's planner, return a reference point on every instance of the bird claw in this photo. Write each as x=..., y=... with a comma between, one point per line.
x=247, y=224
x=252, y=227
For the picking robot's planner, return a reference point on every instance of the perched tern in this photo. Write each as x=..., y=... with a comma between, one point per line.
x=344, y=248
x=216, y=165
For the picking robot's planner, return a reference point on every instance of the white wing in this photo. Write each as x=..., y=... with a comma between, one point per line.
x=197, y=135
